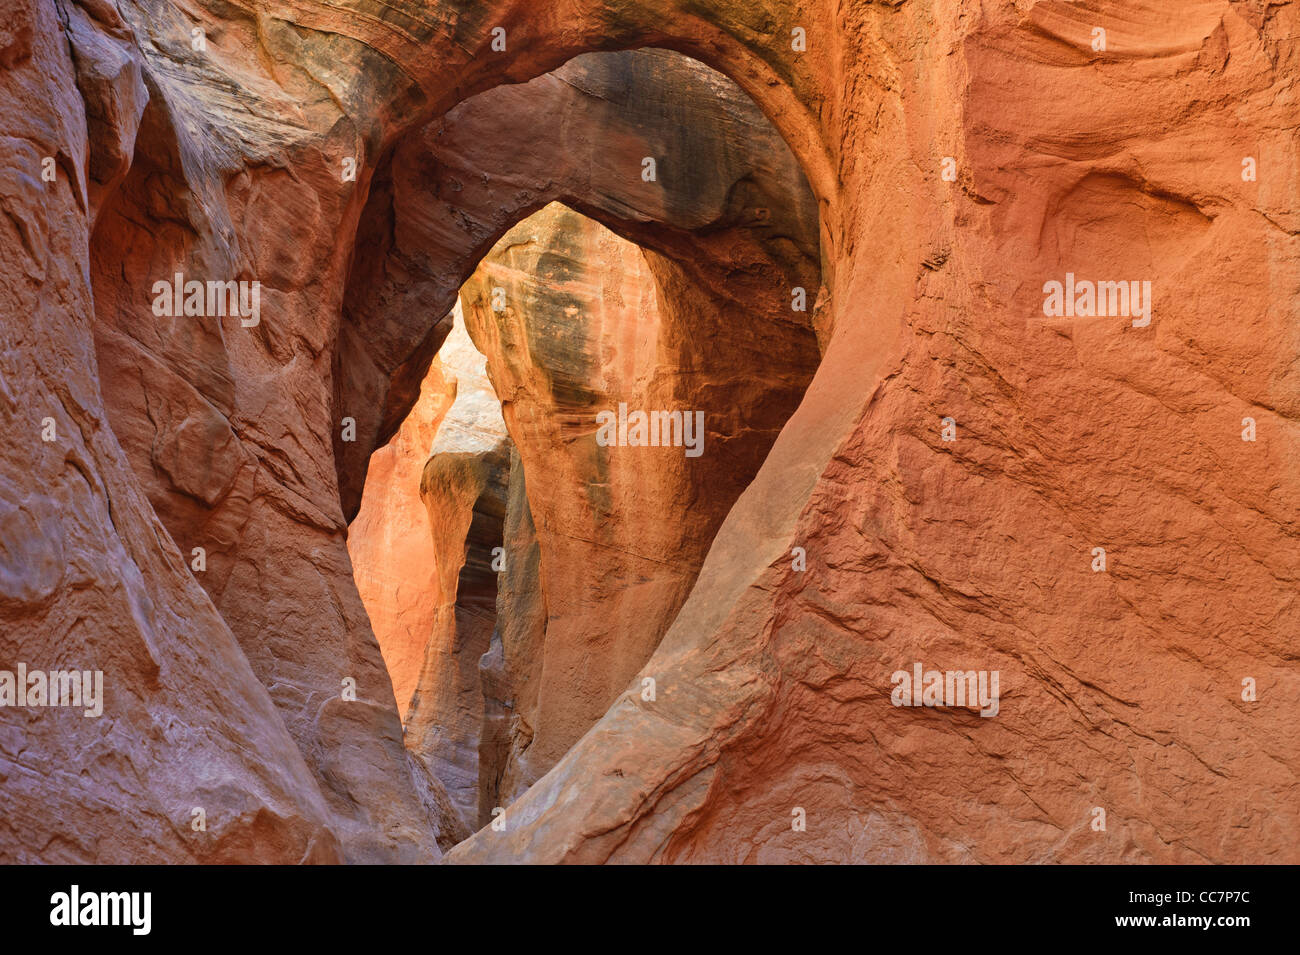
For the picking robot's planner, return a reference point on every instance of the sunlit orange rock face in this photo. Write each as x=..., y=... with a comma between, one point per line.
x=960, y=157
x=586, y=330
x=393, y=557
x=461, y=482
x=577, y=329
x=546, y=605
x=576, y=321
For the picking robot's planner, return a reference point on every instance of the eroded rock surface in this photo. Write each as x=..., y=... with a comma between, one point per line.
x=961, y=156
x=603, y=542
x=90, y=580
x=590, y=331
x=393, y=558
x=462, y=485
x=580, y=331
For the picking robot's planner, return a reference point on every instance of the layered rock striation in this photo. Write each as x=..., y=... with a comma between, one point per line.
x=962, y=453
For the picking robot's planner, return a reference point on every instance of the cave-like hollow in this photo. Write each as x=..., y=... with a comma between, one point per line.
x=633, y=276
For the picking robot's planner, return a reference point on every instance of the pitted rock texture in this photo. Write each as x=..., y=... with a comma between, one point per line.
x=1166, y=155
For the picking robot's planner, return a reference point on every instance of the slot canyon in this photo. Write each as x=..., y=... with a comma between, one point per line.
x=639, y=431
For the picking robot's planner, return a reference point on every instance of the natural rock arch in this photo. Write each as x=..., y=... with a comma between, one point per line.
x=194, y=454
x=744, y=228
x=734, y=233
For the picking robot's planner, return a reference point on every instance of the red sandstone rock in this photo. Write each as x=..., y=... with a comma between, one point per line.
x=1121, y=689
x=587, y=327
x=89, y=579
x=581, y=337
x=462, y=484
x=393, y=559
